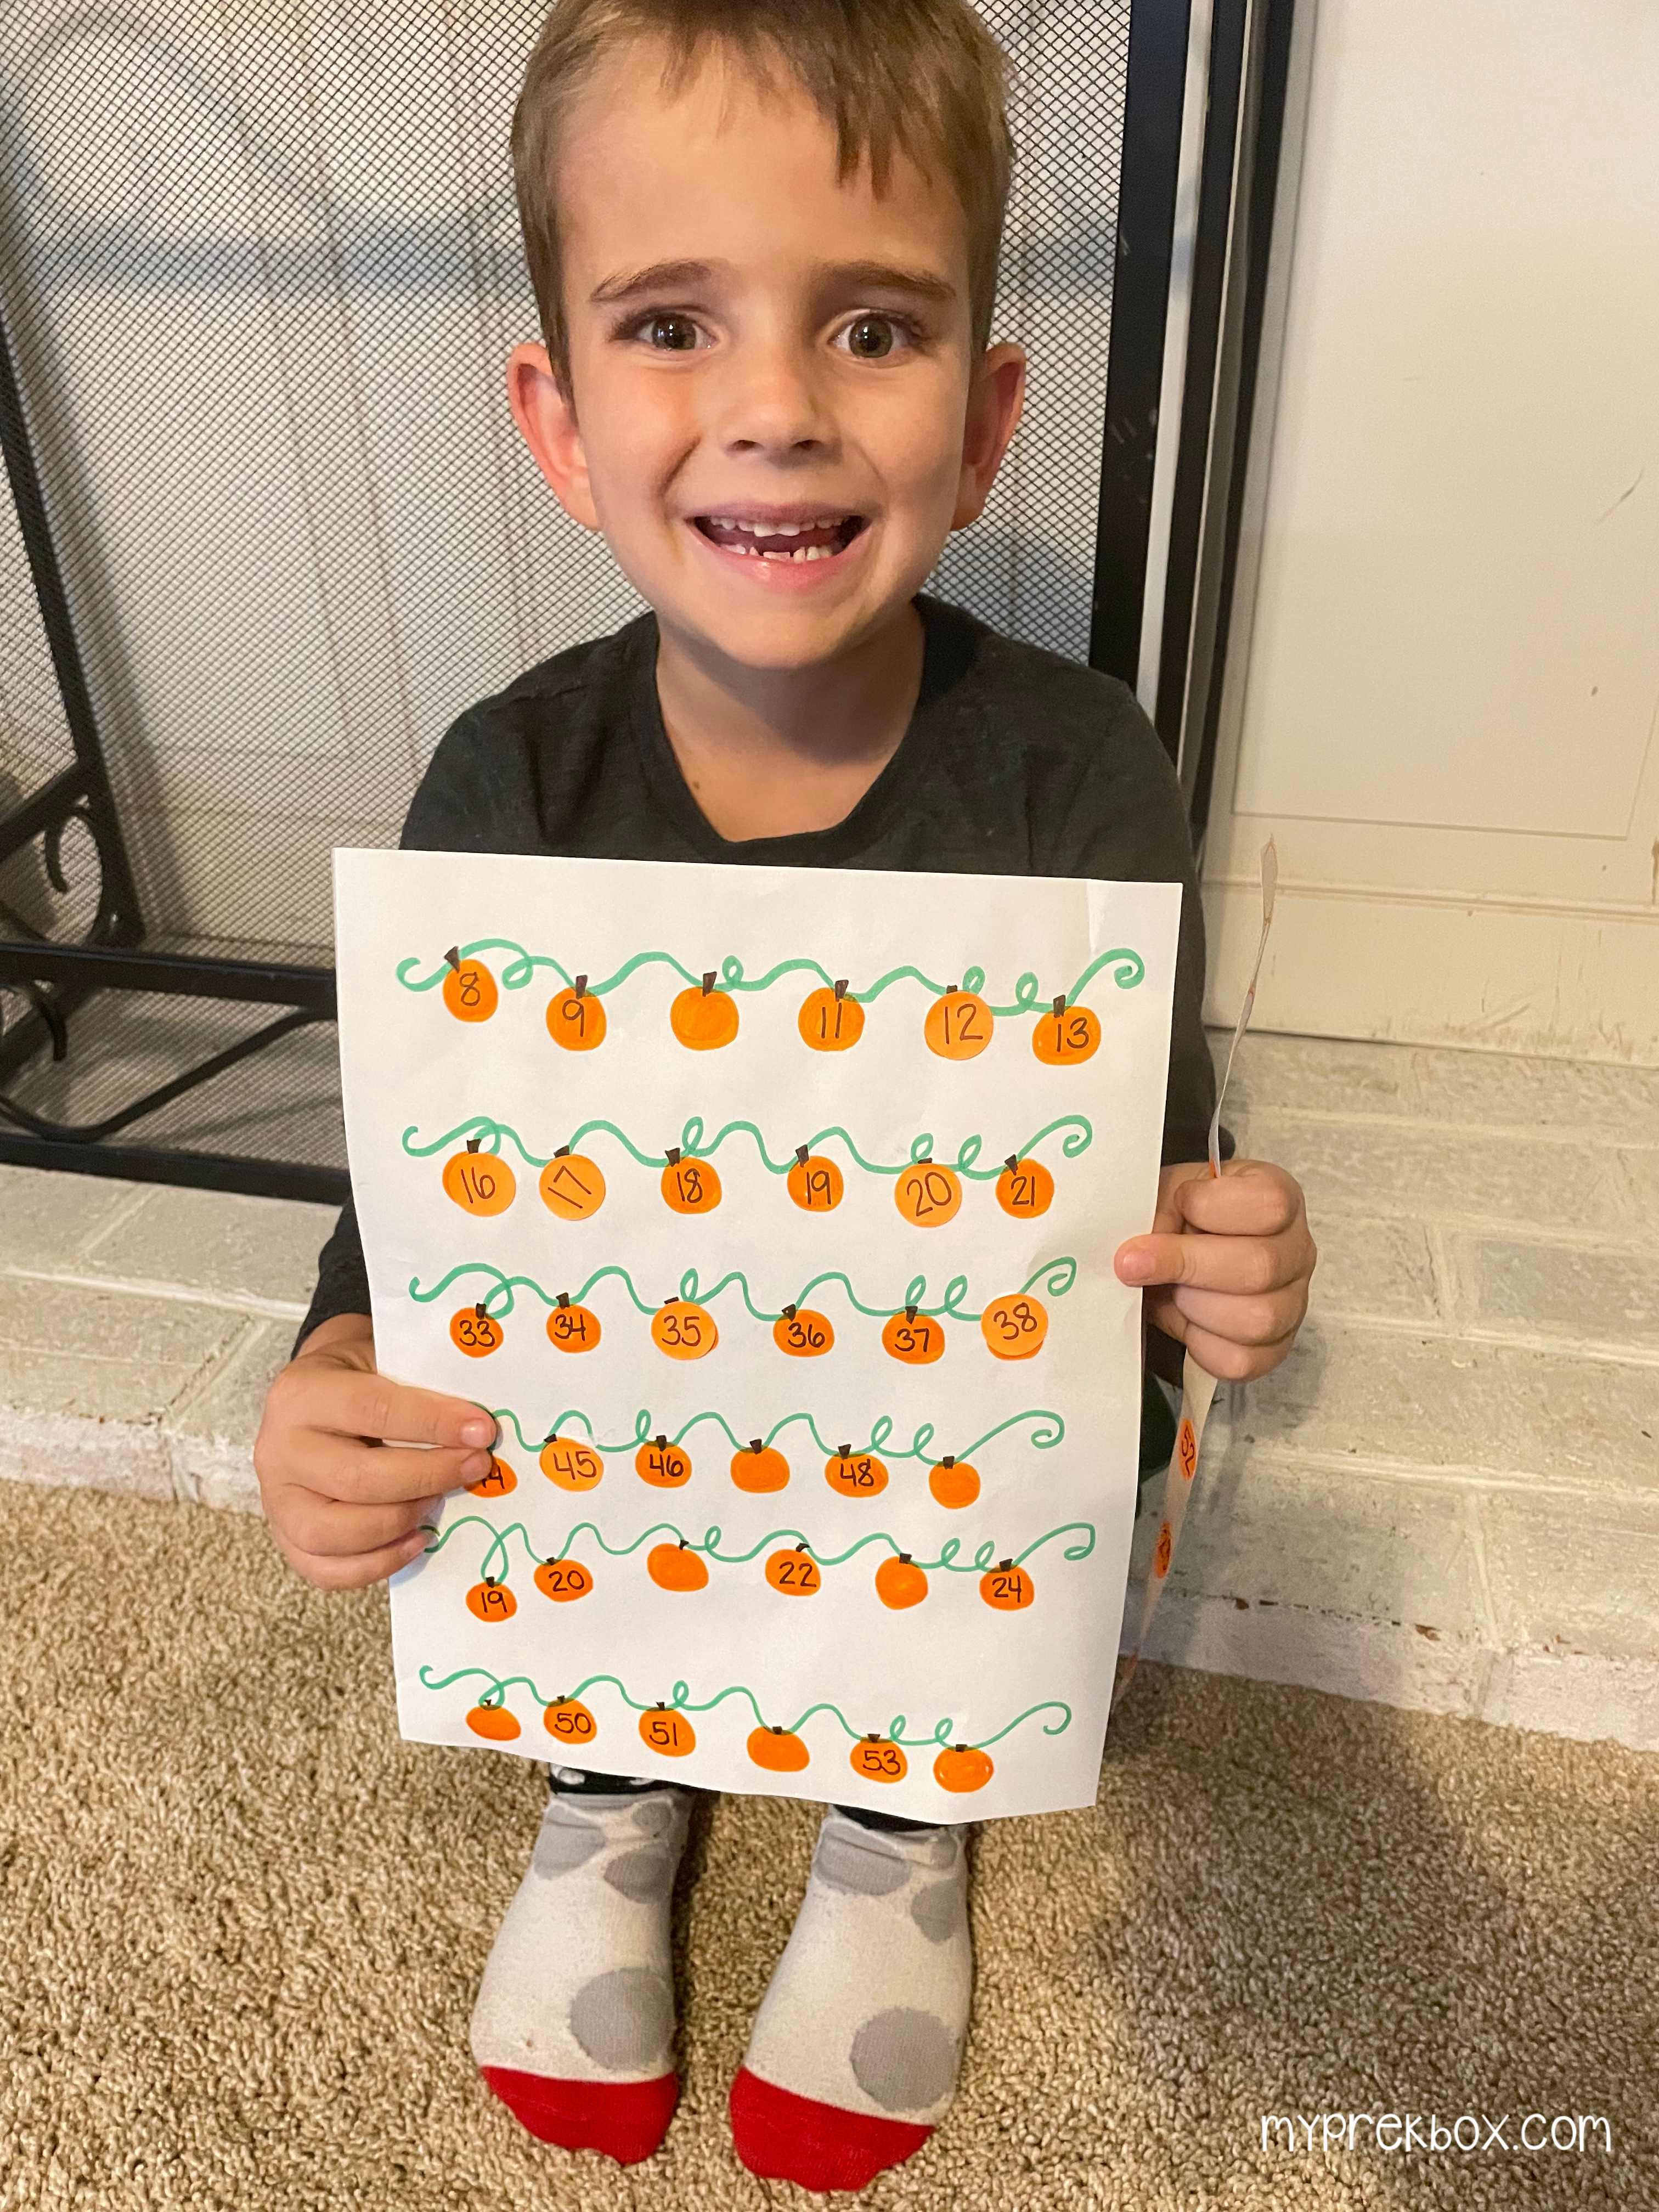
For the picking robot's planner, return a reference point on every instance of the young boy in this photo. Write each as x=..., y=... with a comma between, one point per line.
x=763, y=235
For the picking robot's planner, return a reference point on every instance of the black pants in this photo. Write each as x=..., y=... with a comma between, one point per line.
x=608, y=1784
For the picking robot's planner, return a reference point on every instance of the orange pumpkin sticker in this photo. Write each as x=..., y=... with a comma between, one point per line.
x=665, y=1465
x=675, y=1567
x=878, y=1758
x=569, y=1720
x=662, y=1729
x=690, y=1186
x=814, y=1182
x=1066, y=1036
x=1187, y=1449
x=493, y=1723
x=900, y=1583
x=499, y=1480
x=571, y=1329
x=777, y=1750
x=575, y=1020
x=683, y=1330
x=929, y=1195
x=828, y=1020
x=962, y=1767
x=1164, y=1550
x=855, y=1475
x=478, y=1182
x=1006, y=1587
x=1024, y=1188
x=474, y=1332
x=1014, y=1327
x=572, y=1186
x=704, y=1018
x=802, y=1333
x=959, y=1025
x=571, y=1464
x=491, y=1601
x=470, y=993
x=563, y=1580
x=760, y=1466
x=795, y=1573
x=954, y=1483
x=917, y=1339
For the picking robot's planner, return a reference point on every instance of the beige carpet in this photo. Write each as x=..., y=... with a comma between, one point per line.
x=241, y=1924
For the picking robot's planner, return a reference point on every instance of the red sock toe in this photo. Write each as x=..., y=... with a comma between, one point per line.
x=783, y=2137
x=626, y=2120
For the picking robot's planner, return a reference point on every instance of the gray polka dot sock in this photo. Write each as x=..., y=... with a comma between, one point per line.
x=854, y=2053
x=575, y=2021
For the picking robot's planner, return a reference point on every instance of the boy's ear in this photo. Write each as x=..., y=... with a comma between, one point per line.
x=546, y=418
x=993, y=412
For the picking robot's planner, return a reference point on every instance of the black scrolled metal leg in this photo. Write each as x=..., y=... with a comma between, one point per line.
x=95, y=1133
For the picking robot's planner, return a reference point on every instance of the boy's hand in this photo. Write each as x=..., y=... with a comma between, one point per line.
x=1226, y=1265
x=344, y=1502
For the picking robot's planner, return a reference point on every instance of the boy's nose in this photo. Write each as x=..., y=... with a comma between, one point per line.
x=772, y=402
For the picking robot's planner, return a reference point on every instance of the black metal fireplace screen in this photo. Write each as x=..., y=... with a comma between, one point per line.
x=269, y=528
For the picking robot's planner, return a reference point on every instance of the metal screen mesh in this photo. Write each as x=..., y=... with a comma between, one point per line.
x=260, y=268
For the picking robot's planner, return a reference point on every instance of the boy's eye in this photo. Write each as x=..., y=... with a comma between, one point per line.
x=671, y=333
x=872, y=338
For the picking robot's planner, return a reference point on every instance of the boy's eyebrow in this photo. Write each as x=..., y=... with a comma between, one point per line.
x=661, y=277
x=885, y=277
x=840, y=276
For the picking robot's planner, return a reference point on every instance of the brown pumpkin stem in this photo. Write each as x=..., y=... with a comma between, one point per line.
x=564, y=1300
x=661, y=1442
x=580, y=986
x=845, y=1452
x=874, y=1736
x=1012, y=1162
x=563, y=1152
x=801, y=1156
x=788, y=1313
x=453, y=957
x=478, y=1313
x=950, y=990
x=840, y=990
x=1059, y=1004
x=909, y=1313
x=1005, y=1566
x=776, y=1729
x=905, y=1558
x=707, y=981
x=673, y=1155
x=757, y=1444
x=947, y=1461
x=473, y=1143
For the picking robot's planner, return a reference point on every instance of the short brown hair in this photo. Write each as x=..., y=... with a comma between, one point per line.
x=886, y=74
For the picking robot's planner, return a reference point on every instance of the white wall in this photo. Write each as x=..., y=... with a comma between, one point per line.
x=1445, y=690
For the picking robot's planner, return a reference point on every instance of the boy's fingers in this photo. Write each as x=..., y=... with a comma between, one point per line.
x=356, y=1405
x=1249, y=1198
x=1241, y=1320
x=1221, y=1356
x=352, y=1573
x=374, y=1474
x=319, y=1528
x=1245, y=1266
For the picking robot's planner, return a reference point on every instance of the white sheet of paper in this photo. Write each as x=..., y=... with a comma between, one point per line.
x=990, y=1686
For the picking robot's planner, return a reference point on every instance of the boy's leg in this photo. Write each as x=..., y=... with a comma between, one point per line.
x=574, y=2021
x=854, y=2057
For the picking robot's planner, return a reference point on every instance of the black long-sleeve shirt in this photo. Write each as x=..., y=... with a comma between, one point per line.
x=1015, y=762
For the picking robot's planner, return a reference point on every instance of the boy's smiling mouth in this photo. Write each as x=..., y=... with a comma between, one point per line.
x=797, y=539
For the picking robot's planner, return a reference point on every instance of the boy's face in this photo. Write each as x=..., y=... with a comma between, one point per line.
x=777, y=410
